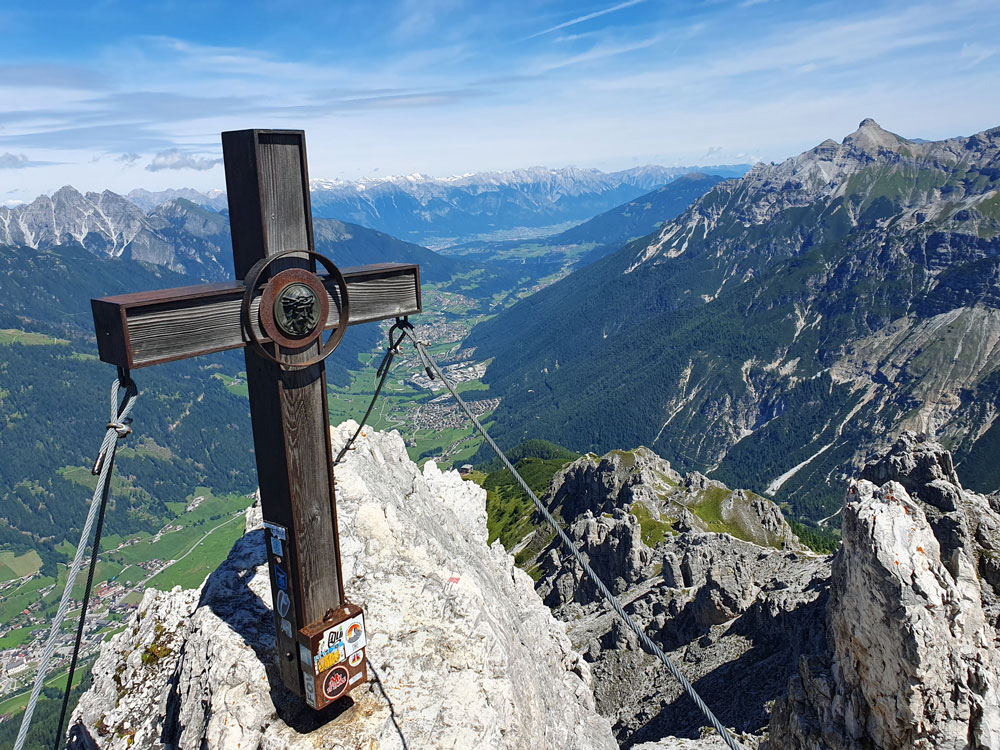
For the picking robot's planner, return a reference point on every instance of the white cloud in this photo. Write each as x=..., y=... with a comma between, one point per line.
x=976, y=53
x=174, y=158
x=597, y=52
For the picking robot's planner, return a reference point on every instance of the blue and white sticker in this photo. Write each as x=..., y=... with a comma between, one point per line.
x=276, y=531
x=310, y=689
x=281, y=578
x=276, y=546
x=283, y=603
x=286, y=627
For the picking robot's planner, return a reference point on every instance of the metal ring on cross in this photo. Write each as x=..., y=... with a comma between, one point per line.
x=293, y=311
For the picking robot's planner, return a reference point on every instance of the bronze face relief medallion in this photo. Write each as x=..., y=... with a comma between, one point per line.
x=297, y=310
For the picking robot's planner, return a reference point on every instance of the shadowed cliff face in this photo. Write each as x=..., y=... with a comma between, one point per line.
x=461, y=649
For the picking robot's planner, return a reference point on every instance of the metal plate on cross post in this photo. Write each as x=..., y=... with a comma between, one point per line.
x=332, y=655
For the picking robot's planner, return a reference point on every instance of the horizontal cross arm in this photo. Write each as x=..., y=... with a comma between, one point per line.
x=147, y=328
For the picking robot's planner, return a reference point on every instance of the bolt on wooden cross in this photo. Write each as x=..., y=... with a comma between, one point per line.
x=279, y=324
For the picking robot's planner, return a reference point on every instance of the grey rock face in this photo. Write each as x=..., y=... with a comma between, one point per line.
x=462, y=650
x=108, y=225
x=615, y=480
x=893, y=645
x=614, y=549
x=601, y=499
x=912, y=660
x=733, y=614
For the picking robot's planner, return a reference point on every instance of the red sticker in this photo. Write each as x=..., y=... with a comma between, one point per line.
x=356, y=658
x=335, y=683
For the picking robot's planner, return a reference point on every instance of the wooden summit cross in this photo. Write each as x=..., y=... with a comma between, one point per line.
x=278, y=312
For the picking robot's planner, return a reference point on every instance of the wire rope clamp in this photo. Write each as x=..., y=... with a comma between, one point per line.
x=289, y=315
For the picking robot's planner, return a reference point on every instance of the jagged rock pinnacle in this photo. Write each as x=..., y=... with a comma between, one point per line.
x=913, y=659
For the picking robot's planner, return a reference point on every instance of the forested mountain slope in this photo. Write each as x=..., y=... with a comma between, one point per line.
x=784, y=326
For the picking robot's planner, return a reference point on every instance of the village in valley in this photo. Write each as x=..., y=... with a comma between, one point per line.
x=182, y=552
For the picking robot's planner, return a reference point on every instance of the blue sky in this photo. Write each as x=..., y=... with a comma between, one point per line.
x=118, y=94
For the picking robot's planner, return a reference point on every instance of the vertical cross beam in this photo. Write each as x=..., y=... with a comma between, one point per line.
x=269, y=212
x=320, y=636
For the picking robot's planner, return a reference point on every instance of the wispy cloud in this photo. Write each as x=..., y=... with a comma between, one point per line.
x=175, y=159
x=49, y=75
x=13, y=161
x=849, y=44
x=21, y=161
x=448, y=86
x=597, y=52
x=587, y=17
x=976, y=53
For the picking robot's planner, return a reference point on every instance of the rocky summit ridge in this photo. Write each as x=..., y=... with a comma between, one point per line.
x=911, y=657
x=462, y=651
x=890, y=643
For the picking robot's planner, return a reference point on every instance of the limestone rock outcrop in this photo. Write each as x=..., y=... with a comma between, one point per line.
x=890, y=644
x=912, y=660
x=735, y=610
x=621, y=507
x=614, y=549
x=462, y=652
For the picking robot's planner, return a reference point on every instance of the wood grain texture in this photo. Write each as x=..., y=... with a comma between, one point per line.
x=288, y=409
x=185, y=322
x=268, y=188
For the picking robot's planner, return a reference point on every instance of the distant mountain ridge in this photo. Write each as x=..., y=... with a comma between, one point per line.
x=573, y=180
x=147, y=200
x=439, y=211
x=109, y=225
x=596, y=237
x=783, y=326
x=184, y=237
x=444, y=210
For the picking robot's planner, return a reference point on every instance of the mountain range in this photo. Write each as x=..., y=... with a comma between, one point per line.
x=596, y=237
x=184, y=237
x=783, y=327
x=440, y=211
x=61, y=250
x=443, y=211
